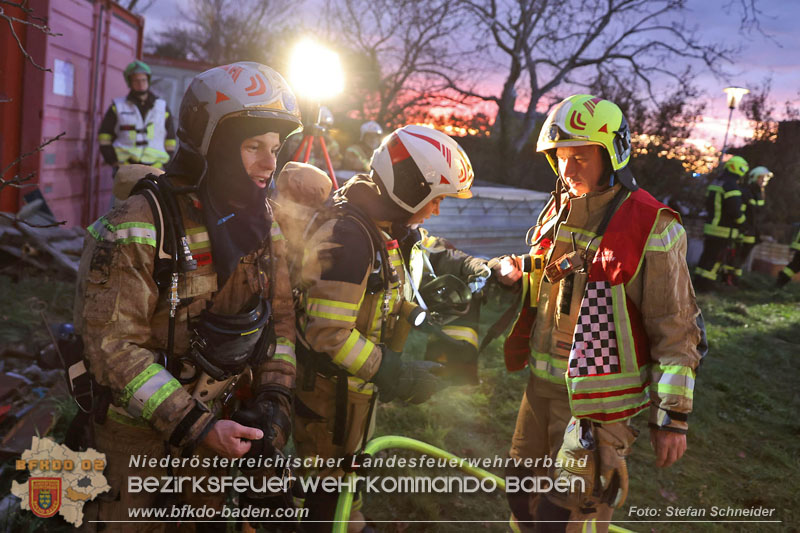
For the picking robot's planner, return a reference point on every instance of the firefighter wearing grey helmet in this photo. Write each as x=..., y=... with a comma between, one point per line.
x=358, y=155
x=171, y=349
x=355, y=291
x=245, y=89
x=753, y=186
x=600, y=241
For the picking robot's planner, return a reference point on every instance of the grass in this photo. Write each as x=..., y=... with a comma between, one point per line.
x=744, y=439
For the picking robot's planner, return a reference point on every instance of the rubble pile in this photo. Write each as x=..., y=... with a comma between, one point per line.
x=23, y=242
x=32, y=391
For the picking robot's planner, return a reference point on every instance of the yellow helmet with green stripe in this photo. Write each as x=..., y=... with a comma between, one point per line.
x=737, y=165
x=583, y=119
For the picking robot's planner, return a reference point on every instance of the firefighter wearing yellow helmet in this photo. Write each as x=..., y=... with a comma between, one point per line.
x=609, y=324
x=724, y=217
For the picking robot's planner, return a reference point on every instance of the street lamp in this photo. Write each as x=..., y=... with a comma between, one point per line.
x=735, y=95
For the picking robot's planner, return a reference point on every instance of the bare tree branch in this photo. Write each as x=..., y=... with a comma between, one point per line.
x=17, y=180
x=41, y=26
x=17, y=220
x=397, y=51
x=548, y=44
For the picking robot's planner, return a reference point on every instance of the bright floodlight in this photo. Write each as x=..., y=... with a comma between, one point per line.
x=315, y=71
x=735, y=95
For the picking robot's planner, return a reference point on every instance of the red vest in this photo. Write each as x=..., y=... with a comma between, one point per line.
x=609, y=364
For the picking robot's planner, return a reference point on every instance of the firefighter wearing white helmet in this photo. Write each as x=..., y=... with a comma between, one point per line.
x=355, y=292
x=753, y=187
x=358, y=156
x=184, y=291
x=609, y=324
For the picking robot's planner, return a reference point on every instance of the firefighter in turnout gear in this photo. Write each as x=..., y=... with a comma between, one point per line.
x=454, y=314
x=789, y=271
x=609, y=325
x=358, y=156
x=753, y=187
x=355, y=293
x=184, y=298
x=724, y=218
x=139, y=127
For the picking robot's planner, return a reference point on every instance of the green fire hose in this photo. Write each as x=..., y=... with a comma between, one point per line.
x=374, y=446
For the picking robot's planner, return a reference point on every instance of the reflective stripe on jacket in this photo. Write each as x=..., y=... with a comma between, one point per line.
x=611, y=375
x=123, y=317
x=724, y=206
x=343, y=319
x=140, y=139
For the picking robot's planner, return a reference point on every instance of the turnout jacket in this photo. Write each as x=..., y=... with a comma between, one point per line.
x=660, y=300
x=123, y=317
x=752, y=204
x=724, y=207
x=346, y=308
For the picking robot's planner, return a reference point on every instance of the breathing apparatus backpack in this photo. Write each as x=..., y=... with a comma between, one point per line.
x=221, y=346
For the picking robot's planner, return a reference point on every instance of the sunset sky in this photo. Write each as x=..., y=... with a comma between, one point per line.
x=773, y=53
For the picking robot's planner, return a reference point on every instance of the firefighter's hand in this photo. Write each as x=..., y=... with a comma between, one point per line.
x=508, y=270
x=231, y=439
x=668, y=445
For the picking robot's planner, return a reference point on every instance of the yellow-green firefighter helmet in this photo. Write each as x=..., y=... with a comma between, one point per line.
x=583, y=119
x=737, y=165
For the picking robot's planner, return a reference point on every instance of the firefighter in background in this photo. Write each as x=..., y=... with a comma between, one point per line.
x=789, y=271
x=170, y=339
x=355, y=302
x=725, y=217
x=454, y=311
x=139, y=127
x=753, y=187
x=609, y=324
x=358, y=156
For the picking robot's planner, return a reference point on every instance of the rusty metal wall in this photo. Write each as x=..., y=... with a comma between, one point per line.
x=98, y=39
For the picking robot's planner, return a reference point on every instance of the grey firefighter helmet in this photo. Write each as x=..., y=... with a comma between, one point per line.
x=243, y=89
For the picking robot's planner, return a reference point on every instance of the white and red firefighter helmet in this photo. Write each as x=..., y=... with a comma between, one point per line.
x=416, y=164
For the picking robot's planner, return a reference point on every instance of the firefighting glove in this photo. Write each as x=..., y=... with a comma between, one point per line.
x=576, y=467
x=408, y=381
x=477, y=280
x=614, y=443
x=266, y=414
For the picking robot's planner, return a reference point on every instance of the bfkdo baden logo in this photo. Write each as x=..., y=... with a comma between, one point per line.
x=44, y=495
x=61, y=480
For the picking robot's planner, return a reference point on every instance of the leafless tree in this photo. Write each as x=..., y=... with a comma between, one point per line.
x=222, y=31
x=397, y=50
x=546, y=45
x=758, y=109
x=136, y=6
x=33, y=22
x=39, y=24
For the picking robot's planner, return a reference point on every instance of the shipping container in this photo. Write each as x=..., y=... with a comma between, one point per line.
x=96, y=40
